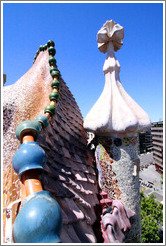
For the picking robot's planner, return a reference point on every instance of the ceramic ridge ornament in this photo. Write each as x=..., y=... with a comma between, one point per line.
x=115, y=113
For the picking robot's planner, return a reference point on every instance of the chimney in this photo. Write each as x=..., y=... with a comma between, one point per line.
x=115, y=120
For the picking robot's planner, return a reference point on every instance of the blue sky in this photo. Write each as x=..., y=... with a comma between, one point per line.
x=73, y=27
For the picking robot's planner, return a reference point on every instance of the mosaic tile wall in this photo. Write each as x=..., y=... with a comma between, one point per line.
x=118, y=175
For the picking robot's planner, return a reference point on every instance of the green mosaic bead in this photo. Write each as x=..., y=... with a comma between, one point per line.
x=54, y=72
x=55, y=84
x=50, y=43
x=28, y=127
x=52, y=61
x=50, y=109
x=53, y=69
x=41, y=48
x=35, y=57
x=54, y=96
x=37, y=52
x=45, y=46
x=43, y=120
x=51, y=51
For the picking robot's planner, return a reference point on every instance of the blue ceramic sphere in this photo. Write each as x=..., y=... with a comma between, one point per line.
x=39, y=220
x=29, y=156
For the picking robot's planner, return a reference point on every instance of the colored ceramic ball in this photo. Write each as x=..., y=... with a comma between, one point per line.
x=45, y=46
x=39, y=220
x=54, y=96
x=29, y=156
x=51, y=51
x=43, y=120
x=28, y=127
x=50, y=109
x=50, y=43
x=54, y=72
x=52, y=61
x=55, y=84
x=41, y=48
x=53, y=69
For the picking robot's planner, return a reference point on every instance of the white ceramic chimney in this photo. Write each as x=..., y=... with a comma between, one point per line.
x=115, y=121
x=115, y=113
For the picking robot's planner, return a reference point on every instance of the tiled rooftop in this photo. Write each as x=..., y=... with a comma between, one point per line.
x=69, y=173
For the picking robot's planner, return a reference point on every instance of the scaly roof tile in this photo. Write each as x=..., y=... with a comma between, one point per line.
x=69, y=174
